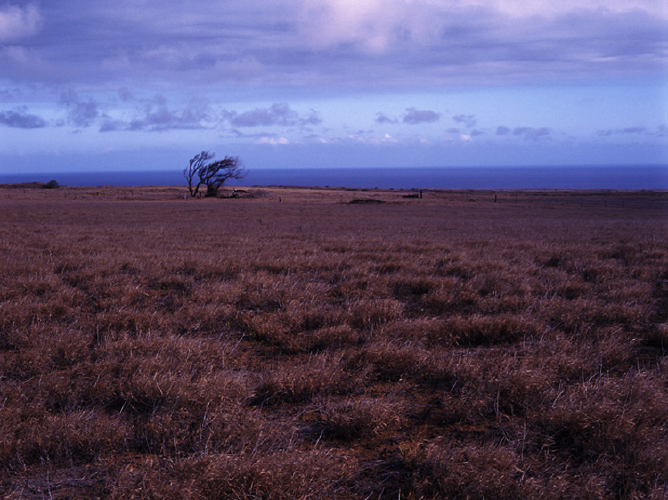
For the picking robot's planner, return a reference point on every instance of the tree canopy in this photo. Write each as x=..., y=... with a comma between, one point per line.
x=211, y=174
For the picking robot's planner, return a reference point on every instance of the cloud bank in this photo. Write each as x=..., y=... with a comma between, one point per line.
x=329, y=42
x=21, y=119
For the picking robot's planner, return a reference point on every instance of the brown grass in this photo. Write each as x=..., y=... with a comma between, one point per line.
x=156, y=347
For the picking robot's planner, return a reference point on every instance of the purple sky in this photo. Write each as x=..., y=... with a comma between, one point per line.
x=142, y=84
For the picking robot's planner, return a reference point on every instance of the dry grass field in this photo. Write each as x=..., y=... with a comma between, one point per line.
x=290, y=344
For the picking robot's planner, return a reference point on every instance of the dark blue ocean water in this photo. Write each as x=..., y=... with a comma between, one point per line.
x=585, y=177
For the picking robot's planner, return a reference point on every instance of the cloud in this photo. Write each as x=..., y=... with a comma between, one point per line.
x=17, y=22
x=471, y=40
x=547, y=8
x=637, y=130
x=414, y=116
x=530, y=133
x=468, y=120
x=527, y=133
x=372, y=26
x=365, y=138
x=279, y=114
x=111, y=125
x=157, y=115
x=357, y=138
x=623, y=131
x=379, y=26
x=125, y=94
x=634, y=130
x=383, y=118
x=273, y=141
x=342, y=43
x=81, y=113
x=21, y=119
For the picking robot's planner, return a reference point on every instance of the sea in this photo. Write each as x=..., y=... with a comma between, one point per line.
x=630, y=177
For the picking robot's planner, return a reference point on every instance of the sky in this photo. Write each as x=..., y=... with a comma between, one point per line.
x=91, y=85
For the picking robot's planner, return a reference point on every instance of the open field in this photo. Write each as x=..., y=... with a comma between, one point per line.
x=290, y=344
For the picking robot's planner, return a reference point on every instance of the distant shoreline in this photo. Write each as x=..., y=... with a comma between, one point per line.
x=39, y=185
x=172, y=191
x=627, y=177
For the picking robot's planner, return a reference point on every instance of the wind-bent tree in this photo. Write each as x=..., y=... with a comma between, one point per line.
x=213, y=175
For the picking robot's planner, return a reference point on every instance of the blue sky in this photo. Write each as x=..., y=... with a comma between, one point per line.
x=146, y=84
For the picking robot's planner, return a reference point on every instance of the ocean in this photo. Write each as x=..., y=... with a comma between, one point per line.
x=583, y=177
